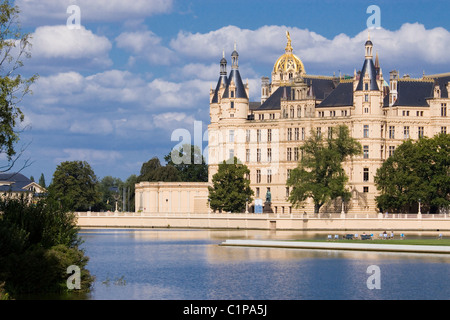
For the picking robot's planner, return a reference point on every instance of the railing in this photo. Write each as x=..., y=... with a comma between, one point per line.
x=268, y=215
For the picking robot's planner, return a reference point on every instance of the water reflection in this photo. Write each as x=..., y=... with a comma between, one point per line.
x=189, y=264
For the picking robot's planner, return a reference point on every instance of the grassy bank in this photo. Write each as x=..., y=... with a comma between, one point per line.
x=422, y=242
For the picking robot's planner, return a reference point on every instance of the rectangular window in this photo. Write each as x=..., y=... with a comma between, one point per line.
x=287, y=192
x=365, y=189
x=406, y=132
x=257, y=192
x=269, y=175
x=330, y=133
x=366, y=98
x=269, y=135
x=258, y=176
x=289, y=173
x=391, y=132
x=303, y=133
x=421, y=132
x=366, y=152
x=231, y=136
x=391, y=150
x=247, y=155
x=247, y=135
x=269, y=154
x=297, y=134
x=319, y=132
x=231, y=154
x=289, y=134
x=289, y=154
x=443, y=129
x=258, y=135
x=258, y=155
x=366, y=174
x=296, y=153
x=366, y=131
x=232, y=104
x=443, y=109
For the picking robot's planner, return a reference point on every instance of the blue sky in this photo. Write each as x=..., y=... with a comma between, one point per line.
x=113, y=91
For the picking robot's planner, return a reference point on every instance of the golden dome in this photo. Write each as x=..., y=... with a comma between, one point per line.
x=288, y=62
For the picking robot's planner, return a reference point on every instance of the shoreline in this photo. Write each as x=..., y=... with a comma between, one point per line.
x=337, y=246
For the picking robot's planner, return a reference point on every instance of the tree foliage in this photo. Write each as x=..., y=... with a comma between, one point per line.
x=231, y=187
x=42, y=181
x=189, y=162
x=153, y=171
x=75, y=185
x=14, y=47
x=38, y=241
x=416, y=171
x=320, y=174
x=110, y=188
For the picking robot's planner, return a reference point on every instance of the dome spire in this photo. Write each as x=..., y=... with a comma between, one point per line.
x=369, y=46
x=288, y=45
x=234, y=58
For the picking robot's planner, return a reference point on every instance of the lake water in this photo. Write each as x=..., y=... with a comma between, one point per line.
x=173, y=264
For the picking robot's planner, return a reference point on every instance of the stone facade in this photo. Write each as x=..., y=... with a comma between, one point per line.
x=173, y=197
x=267, y=135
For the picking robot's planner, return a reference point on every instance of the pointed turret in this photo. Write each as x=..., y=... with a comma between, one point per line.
x=368, y=76
x=223, y=81
x=235, y=80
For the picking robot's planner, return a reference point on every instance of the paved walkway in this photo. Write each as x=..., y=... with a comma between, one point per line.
x=338, y=246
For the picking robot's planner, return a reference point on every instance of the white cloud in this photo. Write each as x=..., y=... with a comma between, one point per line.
x=98, y=126
x=407, y=47
x=55, y=11
x=145, y=45
x=92, y=156
x=64, y=44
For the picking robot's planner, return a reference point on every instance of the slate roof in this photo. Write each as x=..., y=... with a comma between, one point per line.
x=18, y=179
x=368, y=67
x=341, y=96
x=274, y=101
x=321, y=87
x=222, y=79
x=442, y=81
x=413, y=93
x=240, y=88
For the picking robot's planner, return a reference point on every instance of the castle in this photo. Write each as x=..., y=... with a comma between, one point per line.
x=267, y=135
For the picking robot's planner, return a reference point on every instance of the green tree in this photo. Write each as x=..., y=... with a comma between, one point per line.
x=109, y=194
x=231, y=188
x=38, y=241
x=189, y=162
x=42, y=181
x=417, y=171
x=320, y=174
x=129, y=184
x=14, y=47
x=75, y=185
x=153, y=171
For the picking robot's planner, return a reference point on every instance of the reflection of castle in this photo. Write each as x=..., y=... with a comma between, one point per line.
x=266, y=135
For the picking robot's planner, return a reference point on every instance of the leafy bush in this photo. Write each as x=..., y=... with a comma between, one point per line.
x=38, y=241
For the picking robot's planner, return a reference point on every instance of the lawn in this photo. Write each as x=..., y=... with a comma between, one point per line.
x=423, y=242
